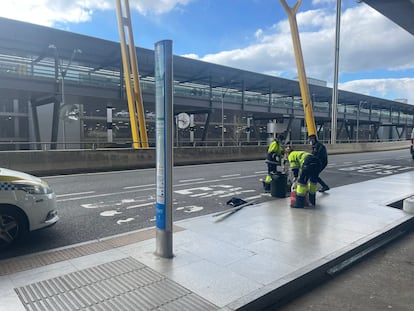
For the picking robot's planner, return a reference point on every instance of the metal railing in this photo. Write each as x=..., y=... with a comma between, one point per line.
x=101, y=144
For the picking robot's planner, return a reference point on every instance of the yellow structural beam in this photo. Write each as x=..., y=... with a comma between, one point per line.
x=133, y=89
x=303, y=83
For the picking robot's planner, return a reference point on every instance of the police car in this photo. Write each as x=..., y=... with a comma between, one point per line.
x=27, y=203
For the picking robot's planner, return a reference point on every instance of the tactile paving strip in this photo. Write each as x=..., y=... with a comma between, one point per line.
x=124, y=285
x=17, y=264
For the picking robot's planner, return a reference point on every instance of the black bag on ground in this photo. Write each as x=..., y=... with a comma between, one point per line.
x=278, y=185
x=235, y=202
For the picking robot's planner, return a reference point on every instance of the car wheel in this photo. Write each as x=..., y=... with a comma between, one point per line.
x=12, y=226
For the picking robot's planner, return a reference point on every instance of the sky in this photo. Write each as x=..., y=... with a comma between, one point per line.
x=376, y=55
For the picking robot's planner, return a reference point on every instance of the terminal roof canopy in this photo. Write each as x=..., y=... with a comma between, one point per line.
x=29, y=40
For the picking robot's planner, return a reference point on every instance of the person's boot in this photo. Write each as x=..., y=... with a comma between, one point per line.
x=300, y=202
x=324, y=188
x=312, y=199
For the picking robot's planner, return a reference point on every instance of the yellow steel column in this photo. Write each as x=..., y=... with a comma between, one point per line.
x=135, y=73
x=134, y=95
x=303, y=83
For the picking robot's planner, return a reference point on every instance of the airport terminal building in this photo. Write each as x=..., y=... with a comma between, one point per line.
x=57, y=89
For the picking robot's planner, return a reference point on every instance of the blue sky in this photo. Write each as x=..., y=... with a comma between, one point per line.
x=375, y=58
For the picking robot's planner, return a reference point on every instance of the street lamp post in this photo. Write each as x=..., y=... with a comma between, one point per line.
x=222, y=119
x=357, y=131
x=361, y=102
x=63, y=71
x=222, y=116
x=334, y=103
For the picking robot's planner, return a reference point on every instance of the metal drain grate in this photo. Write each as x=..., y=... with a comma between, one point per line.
x=124, y=284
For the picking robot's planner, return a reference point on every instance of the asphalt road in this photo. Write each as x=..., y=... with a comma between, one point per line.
x=93, y=206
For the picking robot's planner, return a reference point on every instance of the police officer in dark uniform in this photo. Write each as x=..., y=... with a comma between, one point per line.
x=319, y=150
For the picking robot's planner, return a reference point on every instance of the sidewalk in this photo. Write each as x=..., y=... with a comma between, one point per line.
x=257, y=257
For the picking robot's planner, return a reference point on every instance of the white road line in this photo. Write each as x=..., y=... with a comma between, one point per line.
x=226, y=176
x=96, y=173
x=198, y=195
x=71, y=194
x=261, y=172
x=141, y=186
x=140, y=205
x=363, y=161
x=152, y=189
x=204, y=181
x=190, y=180
x=215, y=180
x=103, y=195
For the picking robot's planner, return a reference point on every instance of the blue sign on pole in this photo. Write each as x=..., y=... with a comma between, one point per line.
x=160, y=216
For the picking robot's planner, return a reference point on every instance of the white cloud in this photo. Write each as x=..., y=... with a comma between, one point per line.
x=52, y=12
x=156, y=6
x=191, y=55
x=369, y=41
x=273, y=52
x=390, y=88
x=362, y=45
x=258, y=33
x=46, y=12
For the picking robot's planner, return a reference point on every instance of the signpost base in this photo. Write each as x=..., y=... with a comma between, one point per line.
x=164, y=244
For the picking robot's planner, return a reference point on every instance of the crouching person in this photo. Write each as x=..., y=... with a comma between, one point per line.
x=305, y=168
x=274, y=154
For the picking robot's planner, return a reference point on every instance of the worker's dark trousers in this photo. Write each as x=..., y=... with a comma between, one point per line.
x=320, y=181
x=309, y=173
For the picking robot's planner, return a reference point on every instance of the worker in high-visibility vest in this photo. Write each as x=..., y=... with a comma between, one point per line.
x=273, y=158
x=305, y=168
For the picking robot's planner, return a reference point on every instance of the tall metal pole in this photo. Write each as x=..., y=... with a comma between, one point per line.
x=336, y=70
x=62, y=104
x=357, y=124
x=222, y=115
x=63, y=71
x=164, y=146
x=222, y=119
x=248, y=129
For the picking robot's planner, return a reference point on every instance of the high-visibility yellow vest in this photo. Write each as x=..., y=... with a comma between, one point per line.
x=275, y=147
x=296, y=158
